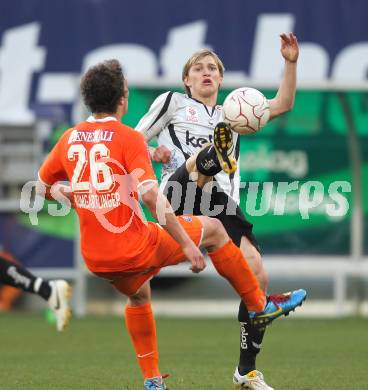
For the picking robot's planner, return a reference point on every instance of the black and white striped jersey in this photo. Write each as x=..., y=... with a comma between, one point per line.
x=183, y=125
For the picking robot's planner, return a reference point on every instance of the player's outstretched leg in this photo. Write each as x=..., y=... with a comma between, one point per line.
x=224, y=146
x=278, y=305
x=59, y=302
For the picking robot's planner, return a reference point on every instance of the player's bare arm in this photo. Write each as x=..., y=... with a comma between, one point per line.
x=284, y=99
x=157, y=203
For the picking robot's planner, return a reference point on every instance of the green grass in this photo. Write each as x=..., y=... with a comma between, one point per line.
x=95, y=353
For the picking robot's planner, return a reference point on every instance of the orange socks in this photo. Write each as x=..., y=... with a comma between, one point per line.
x=141, y=326
x=231, y=264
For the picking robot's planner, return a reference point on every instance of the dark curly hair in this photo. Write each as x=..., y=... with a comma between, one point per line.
x=102, y=86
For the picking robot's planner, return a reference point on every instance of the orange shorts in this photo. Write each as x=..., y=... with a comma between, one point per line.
x=165, y=251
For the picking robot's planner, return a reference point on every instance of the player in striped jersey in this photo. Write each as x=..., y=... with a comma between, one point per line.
x=187, y=126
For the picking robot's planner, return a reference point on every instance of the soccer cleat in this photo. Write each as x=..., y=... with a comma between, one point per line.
x=223, y=143
x=156, y=383
x=61, y=293
x=251, y=381
x=278, y=305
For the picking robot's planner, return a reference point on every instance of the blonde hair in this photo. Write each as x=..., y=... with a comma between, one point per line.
x=195, y=57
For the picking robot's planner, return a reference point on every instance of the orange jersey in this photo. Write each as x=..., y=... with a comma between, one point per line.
x=105, y=162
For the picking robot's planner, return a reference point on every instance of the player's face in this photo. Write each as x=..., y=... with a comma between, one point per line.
x=204, y=78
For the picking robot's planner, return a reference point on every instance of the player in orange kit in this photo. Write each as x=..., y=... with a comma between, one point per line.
x=107, y=165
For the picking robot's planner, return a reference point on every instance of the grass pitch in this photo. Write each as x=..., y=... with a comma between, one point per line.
x=95, y=353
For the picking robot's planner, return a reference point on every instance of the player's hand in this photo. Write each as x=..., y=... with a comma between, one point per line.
x=161, y=154
x=195, y=256
x=289, y=47
x=61, y=193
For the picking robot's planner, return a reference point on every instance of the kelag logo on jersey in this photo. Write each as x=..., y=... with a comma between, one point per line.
x=43, y=54
x=196, y=142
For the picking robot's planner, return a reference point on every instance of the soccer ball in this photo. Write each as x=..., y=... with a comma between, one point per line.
x=246, y=110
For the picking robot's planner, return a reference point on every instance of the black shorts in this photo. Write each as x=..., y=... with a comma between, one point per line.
x=186, y=198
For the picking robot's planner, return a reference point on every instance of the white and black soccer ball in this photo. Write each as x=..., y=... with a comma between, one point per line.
x=246, y=110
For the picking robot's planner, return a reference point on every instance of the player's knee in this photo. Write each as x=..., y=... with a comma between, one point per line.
x=217, y=228
x=190, y=164
x=220, y=231
x=141, y=297
x=215, y=234
x=138, y=300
